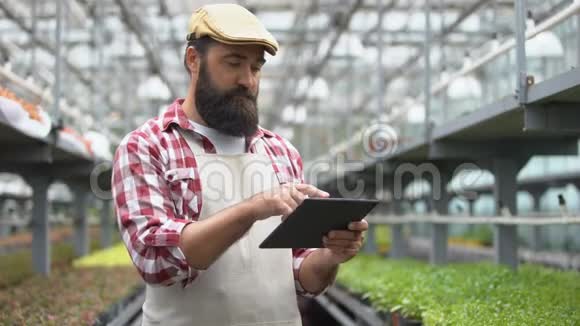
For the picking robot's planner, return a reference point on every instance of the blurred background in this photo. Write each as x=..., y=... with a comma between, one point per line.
x=378, y=82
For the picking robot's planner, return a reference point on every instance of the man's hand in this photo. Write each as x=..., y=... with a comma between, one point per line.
x=342, y=245
x=282, y=200
x=319, y=269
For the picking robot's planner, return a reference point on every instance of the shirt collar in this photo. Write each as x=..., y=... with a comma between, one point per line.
x=174, y=115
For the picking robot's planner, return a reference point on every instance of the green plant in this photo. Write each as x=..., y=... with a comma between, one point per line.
x=16, y=267
x=466, y=294
x=71, y=296
x=114, y=256
x=382, y=238
x=480, y=233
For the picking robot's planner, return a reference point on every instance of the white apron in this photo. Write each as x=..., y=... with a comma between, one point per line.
x=246, y=285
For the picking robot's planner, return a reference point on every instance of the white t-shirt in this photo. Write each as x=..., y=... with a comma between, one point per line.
x=224, y=144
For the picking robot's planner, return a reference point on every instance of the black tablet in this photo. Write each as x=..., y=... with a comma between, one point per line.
x=314, y=218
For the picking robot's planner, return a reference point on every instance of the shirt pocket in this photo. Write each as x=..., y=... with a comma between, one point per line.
x=184, y=190
x=283, y=170
x=284, y=177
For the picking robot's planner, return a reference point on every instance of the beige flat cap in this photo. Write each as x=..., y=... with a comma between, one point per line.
x=230, y=24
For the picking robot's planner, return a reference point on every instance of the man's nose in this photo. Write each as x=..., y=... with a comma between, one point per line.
x=247, y=79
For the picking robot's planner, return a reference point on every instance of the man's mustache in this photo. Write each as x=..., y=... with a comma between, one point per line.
x=241, y=92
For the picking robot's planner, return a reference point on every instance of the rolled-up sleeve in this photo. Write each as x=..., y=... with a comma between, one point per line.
x=298, y=258
x=148, y=223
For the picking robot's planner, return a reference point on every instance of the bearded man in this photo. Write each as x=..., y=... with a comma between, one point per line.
x=199, y=187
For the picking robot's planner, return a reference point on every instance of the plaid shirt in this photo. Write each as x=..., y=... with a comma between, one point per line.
x=154, y=200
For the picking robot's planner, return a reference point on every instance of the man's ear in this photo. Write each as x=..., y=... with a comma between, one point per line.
x=192, y=59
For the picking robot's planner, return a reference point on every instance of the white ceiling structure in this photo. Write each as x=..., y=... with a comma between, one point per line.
x=118, y=52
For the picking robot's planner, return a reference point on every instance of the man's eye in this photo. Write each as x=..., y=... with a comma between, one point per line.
x=233, y=64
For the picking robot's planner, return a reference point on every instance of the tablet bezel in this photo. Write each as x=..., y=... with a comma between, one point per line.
x=298, y=214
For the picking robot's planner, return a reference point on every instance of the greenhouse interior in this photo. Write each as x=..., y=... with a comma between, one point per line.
x=420, y=162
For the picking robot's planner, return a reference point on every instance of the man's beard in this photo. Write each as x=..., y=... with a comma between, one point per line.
x=233, y=112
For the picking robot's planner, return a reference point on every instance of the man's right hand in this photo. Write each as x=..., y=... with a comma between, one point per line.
x=283, y=200
x=204, y=241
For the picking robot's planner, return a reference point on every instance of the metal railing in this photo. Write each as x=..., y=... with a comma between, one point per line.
x=505, y=240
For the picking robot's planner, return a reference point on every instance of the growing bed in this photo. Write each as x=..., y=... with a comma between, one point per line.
x=465, y=294
x=72, y=295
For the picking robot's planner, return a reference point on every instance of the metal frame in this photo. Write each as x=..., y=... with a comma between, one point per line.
x=40, y=162
x=543, y=110
x=548, y=115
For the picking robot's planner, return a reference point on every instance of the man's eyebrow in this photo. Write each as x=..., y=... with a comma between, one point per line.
x=261, y=61
x=236, y=56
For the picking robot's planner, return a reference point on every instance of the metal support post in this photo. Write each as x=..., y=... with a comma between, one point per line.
x=380, y=68
x=370, y=245
x=537, y=241
x=58, y=62
x=578, y=40
x=33, y=34
x=5, y=219
x=40, y=226
x=398, y=244
x=81, y=225
x=438, y=252
x=471, y=206
x=471, y=211
x=520, y=31
x=505, y=191
x=106, y=225
x=427, y=71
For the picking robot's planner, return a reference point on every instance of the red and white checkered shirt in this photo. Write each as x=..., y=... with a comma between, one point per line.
x=152, y=208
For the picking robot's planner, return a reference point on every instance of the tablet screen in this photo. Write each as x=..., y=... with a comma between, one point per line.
x=314, y=218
